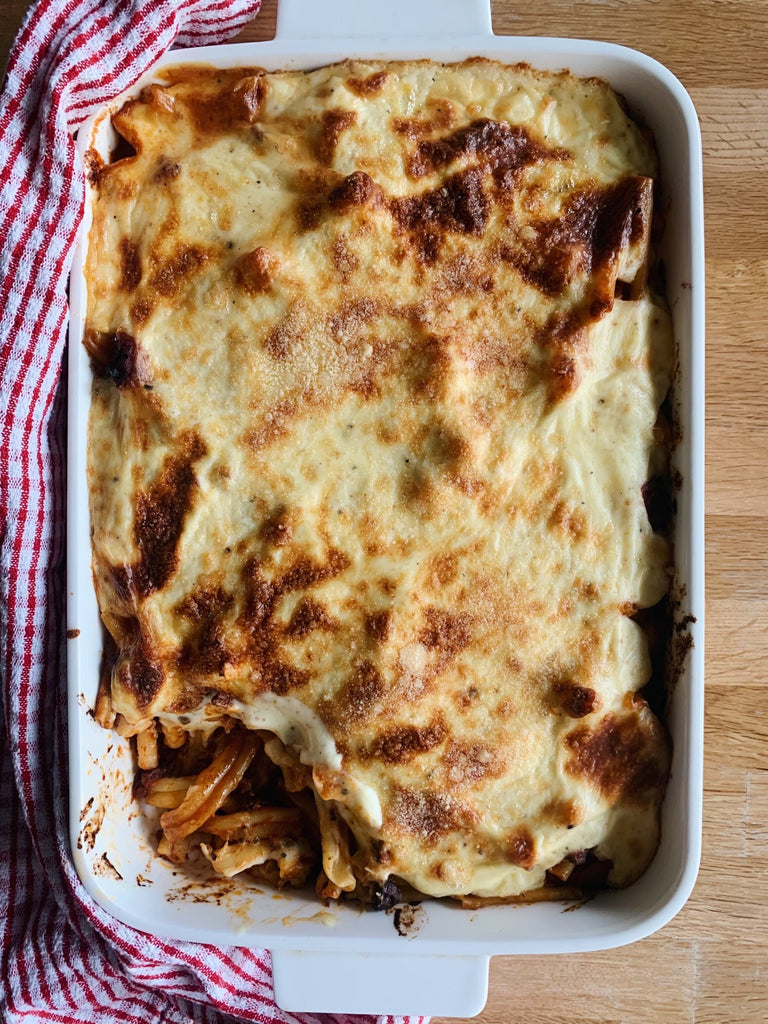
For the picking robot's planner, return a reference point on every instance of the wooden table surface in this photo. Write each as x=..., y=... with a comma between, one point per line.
x=710, y=965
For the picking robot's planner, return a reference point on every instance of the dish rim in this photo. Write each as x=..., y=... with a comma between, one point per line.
x=316, y=52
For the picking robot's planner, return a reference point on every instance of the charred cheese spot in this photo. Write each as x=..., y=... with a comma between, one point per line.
x=287, y=333
x=564, y=339
x=260, y=595
x=368, y=86
x=234, y=103
x=596, y=224
x=158, y=98
x=463, y=274
x=275, y=424
x=167, y=171
x=344, y=258
x=459, y=205
x=443, y=446
x=356, y=190
x=170, y=273
x=141, y=312
x=505, y=708
x=378, y=625
x=622, y=756
x=444, y=569
x=563, y=375
x=346, y=323
x=204, y=649
x=576, y=701
x=281, y=678
x=141, y=674
x=277, y=528
x=94, y=167
x=250, y=94
x=305, y=573
x=417, y=489
x=255, y=271
x=503, y=147
x=159, y=518
x=401, y=744
x=333, y=124
x=587, y=590
x=571, y=522
x=130, y=265
x=308, y=616
x=311, y=210
x=205, y=603
x=521, y=848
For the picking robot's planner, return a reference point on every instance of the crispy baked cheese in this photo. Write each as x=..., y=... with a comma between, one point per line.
x=376, y=379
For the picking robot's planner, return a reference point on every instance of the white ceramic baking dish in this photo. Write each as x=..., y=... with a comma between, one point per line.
x=343, y=959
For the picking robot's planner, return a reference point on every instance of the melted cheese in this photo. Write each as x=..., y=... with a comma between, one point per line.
x=371, y=422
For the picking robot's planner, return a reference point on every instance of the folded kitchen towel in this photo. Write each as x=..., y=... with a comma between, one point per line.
x=63, y=958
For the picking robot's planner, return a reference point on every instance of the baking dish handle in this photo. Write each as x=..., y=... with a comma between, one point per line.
x=399, y=984
x=313, y=19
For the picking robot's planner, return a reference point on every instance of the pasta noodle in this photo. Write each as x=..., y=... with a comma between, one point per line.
x=206, y=809
x=168, y=793
x=212, y=786
x=244, y=817
x=260, y=823
x=335, y=843
x=146, y=747
x=542, y=895
x=292, y=856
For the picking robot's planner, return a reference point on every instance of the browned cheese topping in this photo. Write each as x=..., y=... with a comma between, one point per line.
x=376, y=377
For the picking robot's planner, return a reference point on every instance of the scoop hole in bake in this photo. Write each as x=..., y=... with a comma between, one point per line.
x=657, y=624
x=121, y=149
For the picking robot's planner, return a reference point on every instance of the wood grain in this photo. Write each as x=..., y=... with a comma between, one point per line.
x=710, y=965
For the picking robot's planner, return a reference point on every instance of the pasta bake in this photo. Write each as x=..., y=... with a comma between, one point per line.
x=377, y=450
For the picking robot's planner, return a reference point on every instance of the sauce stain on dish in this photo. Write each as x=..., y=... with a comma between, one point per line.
x=92, y=826
x=222, y=892
x=408, y=919
x=209, y=890
x=324, y=917
x=106, y=869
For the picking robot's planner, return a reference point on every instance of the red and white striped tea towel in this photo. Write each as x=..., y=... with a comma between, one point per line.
x=62, y=958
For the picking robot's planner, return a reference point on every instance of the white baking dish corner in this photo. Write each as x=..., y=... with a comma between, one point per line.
x=342, y=959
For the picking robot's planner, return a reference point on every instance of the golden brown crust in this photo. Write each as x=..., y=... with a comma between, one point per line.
x=376, y=377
